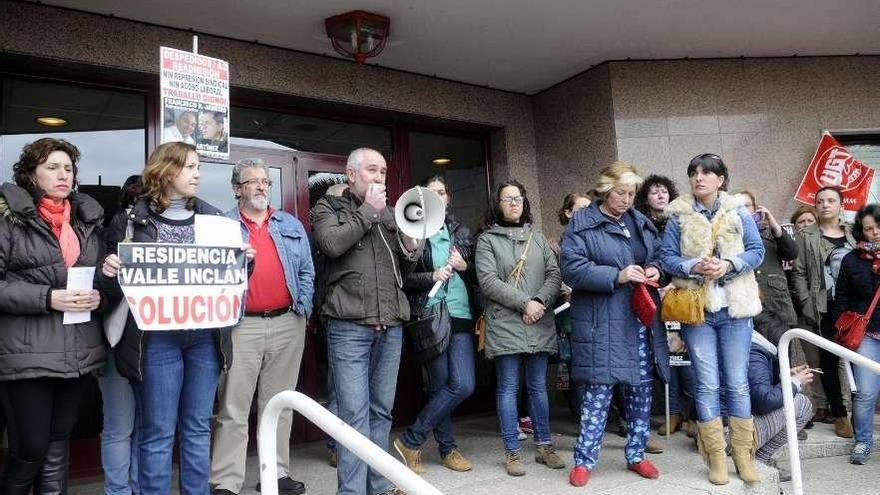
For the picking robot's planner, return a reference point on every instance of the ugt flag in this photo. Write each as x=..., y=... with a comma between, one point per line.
x=833, y=165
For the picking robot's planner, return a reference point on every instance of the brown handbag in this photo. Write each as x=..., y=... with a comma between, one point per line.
x=514, y=277
x=688, y=305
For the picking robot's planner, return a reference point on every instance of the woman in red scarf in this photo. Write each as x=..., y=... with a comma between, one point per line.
x=45, y=229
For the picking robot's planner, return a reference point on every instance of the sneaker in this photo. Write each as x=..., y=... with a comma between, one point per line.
x=544, y=454
x=579, y=476
x=843, y=427
x=860, y=454
x=645, y=469
x=514, y=463
x=411, y=457
x=456, y=461
x=802, y=435
x=521, y=435
x=394, y=491
x=289, y=486
x=525, y=424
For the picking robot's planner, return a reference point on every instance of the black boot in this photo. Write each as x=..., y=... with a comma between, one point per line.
x=19, y=476
x=53, y=474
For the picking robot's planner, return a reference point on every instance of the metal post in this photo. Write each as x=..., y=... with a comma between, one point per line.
x=195, y=44
x=666, y=393
x=345, y=436
x=788, y=396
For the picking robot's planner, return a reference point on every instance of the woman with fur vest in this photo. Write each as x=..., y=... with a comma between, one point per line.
x=712, y=243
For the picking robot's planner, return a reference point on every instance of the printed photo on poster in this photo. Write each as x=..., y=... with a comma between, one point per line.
x=195, y=101
x=678, y=353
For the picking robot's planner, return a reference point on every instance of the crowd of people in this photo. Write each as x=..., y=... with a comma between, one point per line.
x=636, y=256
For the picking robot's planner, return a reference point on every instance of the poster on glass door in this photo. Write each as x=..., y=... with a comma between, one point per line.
x=194, y=101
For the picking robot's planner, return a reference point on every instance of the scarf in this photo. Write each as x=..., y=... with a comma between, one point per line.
x=58, y=218
x=870, y=251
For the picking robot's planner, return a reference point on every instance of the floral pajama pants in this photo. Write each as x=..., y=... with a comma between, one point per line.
x=594, y=413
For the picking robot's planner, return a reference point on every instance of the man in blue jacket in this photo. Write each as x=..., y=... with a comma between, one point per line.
x=268, y=344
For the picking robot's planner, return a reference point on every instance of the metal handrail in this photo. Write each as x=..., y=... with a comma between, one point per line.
x=788, y=395
x=344, y=435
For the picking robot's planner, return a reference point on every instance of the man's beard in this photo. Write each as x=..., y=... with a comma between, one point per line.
x=259, y=203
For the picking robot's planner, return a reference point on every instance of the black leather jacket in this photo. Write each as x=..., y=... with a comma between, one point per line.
x=130, y=350
x=420, y=281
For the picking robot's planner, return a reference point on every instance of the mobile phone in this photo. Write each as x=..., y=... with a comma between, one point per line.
x=817, y=370
x=758, y=216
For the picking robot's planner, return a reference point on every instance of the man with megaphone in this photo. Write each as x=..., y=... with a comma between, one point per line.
x=367, y=257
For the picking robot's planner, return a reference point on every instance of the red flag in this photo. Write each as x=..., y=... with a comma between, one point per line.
x=833, y=165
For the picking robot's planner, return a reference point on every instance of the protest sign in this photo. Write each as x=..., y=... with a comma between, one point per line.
x=678, y=353
x=833, y=165
x=182, y=286
x=194, y=103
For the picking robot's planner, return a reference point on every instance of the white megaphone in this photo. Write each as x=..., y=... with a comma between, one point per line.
x=419, y=213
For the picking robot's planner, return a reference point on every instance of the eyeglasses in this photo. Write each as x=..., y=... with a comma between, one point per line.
x=265, y=182
x=513, y=199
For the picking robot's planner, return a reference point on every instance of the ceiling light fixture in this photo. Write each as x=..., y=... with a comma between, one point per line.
x=51, y=121
x=358, y=34
x=441, y=161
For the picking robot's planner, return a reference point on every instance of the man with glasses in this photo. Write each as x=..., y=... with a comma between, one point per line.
x=268, y=344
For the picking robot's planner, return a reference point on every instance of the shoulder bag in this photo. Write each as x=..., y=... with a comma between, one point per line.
x=850, y=326
x=687, y=305
x=514, y=278
x=114, y=321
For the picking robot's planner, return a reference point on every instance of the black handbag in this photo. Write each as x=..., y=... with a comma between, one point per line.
x=428, y=336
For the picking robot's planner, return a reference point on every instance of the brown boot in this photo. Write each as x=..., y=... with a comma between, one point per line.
x=843, y=427
x=710, y=442
x=544, y=454
x=411, y=457
x=691, y=429
x=673, y=426
x=743, y=446
x=514, y=463
x=653, y=447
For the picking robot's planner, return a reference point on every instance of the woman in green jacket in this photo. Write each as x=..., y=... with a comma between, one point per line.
x=821, y=247
x=520, y=280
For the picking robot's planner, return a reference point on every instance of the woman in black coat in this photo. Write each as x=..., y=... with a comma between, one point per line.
x=448, y=258
x=45, y=229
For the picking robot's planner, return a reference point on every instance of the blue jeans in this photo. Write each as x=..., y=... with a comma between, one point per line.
x=365, y=364
x=507, y=386
x=181, y=371
x=865, y=399
x=720, y=346
x=119, y=448
x=681, y=386
x=451, y=377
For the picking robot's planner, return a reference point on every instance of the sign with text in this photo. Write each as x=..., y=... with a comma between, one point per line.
x=678, y=353
x=182, y=286
x=833, y=165
x=194, y=92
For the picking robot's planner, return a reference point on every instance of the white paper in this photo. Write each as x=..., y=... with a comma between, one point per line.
x=214, y=230
x=79, y=278
x=561, y=308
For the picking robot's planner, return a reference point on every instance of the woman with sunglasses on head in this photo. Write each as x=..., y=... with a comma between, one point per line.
x=609, y=251
x=174, y=373
x=712, y=245
x=520, y=280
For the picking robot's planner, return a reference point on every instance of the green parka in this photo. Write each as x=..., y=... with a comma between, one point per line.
x=498, y=250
